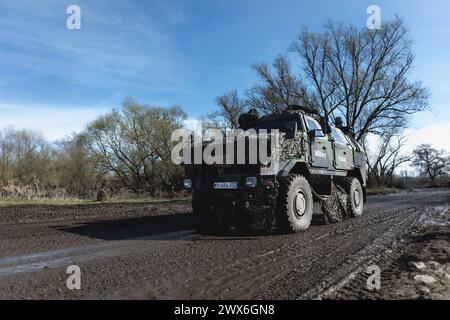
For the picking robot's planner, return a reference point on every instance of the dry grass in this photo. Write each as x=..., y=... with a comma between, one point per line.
x=74, y=201
x=14, y=193
x=16, y=190
x=382, y=190
x=24, y=201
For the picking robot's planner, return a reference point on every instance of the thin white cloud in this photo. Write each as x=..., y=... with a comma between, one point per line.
x=118, y=43
x=437, y=134
x=192, y=123
x=54, y=123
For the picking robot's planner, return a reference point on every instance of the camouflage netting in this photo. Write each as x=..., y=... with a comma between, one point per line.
x=254, y=209
x=336, y=207
x=291, y=148
x=261, y=207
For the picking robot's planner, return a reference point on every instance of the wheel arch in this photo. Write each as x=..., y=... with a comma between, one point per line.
x=294, y=166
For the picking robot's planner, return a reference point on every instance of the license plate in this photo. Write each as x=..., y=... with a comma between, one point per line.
x=225, y=185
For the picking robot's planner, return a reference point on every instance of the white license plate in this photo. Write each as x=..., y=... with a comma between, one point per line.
x=225, y=185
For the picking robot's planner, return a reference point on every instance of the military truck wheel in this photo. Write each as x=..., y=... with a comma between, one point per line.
x=354, y=190
x=295, y=206
x=201, y=209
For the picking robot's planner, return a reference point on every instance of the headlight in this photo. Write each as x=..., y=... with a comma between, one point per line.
x=251, y=182
x=187, y=183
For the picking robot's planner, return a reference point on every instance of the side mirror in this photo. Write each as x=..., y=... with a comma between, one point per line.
x=312, y=134
x=291, y=129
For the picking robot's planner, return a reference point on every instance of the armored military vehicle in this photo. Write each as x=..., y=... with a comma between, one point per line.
x=318, y=162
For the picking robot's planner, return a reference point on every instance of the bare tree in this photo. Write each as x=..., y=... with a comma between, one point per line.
x=386, y=158
x=359, y=74
x=321, y=84
x=362, y=75
x=230, y=108
x=76, y=168
x=6, y=152
x=431, y=162
x=25, y=156
x=278, y=87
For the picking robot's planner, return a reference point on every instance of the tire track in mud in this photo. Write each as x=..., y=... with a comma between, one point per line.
x=398, y=223
x=397, y=271
x=301, y=265
x=350, y=267
x=225, y=279
x=263, y=271
x=232, y=275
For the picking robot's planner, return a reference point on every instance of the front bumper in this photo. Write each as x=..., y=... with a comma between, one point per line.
x=256, y=207
x=207, y=182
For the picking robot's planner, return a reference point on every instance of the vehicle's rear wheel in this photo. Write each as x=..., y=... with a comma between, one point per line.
x=295, y=205
x=354, y=190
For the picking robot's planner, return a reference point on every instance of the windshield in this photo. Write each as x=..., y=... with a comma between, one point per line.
x=283, y=125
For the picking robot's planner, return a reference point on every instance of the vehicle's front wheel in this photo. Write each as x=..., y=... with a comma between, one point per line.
x=295, y=205
x=354, y=190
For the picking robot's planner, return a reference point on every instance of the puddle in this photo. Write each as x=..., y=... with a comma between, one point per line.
x=33, y=267
x=65, y=257
x=442, y=210
x=36, y=256
x=436, y=216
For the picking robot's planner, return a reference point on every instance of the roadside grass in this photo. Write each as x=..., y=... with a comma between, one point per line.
x=382, y=190
x=146, y=199
x=75, y=201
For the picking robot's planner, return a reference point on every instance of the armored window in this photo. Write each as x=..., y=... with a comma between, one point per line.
x=338, y=136
x=354, y=143
x=314, y=125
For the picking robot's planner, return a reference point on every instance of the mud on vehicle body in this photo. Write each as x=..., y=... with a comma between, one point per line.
x=317, y=162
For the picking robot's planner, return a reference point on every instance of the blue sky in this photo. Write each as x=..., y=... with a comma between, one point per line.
x=181, y=52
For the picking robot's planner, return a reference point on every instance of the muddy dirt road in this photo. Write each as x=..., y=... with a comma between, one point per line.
x=146, y=251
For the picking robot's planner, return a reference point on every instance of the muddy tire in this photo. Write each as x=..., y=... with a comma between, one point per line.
x=355, y=194
x=295, y=205
x=206, y=222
